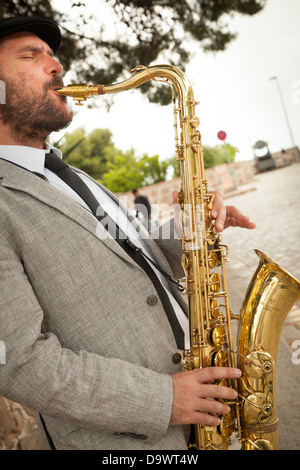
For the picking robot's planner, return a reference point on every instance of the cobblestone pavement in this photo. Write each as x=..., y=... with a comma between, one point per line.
x=272, y=201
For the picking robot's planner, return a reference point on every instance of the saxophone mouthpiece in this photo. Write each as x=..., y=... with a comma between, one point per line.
x=81, y=91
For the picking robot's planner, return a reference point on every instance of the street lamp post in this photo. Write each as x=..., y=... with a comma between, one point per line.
x=284, y=109
x=222, y=136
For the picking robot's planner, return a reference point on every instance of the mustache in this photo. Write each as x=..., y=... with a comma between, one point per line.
x=56, y=82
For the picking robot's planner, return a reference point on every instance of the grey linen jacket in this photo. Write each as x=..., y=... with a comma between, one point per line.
x=84, y=346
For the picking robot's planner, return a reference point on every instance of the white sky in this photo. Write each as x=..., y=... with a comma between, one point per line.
x=233, y=88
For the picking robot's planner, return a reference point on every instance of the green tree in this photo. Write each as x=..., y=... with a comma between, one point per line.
x=212, y=156
x=219, y=154
x=89, y=152
x=175, y=166
x=124, y=173
x=144, y=31
x=96, y=154
x=127, y=172
x=154, y=170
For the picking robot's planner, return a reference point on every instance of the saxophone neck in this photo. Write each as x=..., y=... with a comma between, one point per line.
x=163, y=73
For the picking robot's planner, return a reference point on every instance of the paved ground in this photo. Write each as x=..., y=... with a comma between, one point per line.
x=273, y=202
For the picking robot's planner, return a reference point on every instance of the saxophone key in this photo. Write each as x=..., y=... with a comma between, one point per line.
x=214, y=308
x=218, y=358
x=217, y=336
x=215, y=282
x=212, y=259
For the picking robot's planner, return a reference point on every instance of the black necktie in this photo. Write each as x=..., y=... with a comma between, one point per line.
x=54, y=163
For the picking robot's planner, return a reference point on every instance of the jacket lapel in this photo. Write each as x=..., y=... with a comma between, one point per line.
x=157, y=253
x=17, y=178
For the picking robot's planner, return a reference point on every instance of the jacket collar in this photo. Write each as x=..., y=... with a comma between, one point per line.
x=30, y=158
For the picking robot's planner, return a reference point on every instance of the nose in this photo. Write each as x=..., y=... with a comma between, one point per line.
x=53, y=67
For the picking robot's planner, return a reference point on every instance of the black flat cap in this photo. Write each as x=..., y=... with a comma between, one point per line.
x=44, y=28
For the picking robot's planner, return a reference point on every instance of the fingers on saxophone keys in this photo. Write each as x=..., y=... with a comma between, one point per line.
x=213, y=407
x=218, y=392
x=206, y=419
x=210, y=412
x=210, y=374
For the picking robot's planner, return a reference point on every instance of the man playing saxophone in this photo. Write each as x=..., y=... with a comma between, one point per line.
x=92, y=329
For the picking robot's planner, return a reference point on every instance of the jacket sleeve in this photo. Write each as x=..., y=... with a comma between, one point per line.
x=104, y=394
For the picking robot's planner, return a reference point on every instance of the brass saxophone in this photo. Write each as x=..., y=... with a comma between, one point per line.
x=271, y=293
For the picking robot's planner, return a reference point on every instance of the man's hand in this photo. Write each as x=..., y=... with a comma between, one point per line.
x=194, y=397
x=228, y=216
x=225, y=216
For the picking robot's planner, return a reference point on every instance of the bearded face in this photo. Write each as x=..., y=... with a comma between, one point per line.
x=30, y=111
x=32, y=108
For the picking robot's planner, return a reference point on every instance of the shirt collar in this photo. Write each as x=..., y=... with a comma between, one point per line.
x=28, y=157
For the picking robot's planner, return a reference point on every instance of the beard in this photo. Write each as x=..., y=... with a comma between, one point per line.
x=31, y=115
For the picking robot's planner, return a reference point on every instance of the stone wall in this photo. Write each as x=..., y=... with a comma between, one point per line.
x=224, y=178
x=286, y=157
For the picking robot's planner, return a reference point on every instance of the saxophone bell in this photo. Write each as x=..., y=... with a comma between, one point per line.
x=271, y=294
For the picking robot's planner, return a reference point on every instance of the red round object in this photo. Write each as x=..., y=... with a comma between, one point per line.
x=221, y=135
